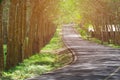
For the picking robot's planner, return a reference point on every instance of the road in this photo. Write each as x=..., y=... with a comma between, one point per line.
x=92, y=61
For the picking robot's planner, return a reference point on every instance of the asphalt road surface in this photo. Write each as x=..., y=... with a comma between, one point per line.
x=92, y=62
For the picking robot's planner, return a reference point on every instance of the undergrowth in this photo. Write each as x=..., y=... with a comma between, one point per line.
x=55, y=42
x=35, y=65
x=40, y=63
x=82, y=32
x=85, y=36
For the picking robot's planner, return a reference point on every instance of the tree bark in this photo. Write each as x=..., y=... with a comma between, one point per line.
x=1, y=40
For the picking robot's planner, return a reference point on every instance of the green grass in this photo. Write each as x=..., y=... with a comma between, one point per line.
x=55, y=42
x=95, y=40
x=35, y=65
x=40, y=63
x=104, y=43
x=83, y=33
x=85, y=36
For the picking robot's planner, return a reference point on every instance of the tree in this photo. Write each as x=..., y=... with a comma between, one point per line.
x=103, y=15
x=1, y=40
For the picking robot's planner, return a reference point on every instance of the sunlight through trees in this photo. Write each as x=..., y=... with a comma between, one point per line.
x=26, y=26
x=68, y=11
x=104, y=16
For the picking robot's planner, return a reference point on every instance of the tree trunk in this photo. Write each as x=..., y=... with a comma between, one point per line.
x=11, y=50
x=1, y=41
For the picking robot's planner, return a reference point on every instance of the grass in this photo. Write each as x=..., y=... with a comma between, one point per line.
x=55, y=42
x=35, y=65
x=104, y=43
x=40, y=63
x=95, y=40
x=85, y=36
x=81, y=32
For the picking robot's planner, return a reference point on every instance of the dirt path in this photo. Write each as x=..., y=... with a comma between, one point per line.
x=93, y=61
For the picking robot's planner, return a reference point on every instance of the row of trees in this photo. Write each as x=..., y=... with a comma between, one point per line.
x=27, y=28
x=27, y=25
x=104, y=16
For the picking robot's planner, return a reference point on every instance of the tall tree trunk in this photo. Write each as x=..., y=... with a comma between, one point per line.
x=11, y=55
x=24, y=27
x=1, y=40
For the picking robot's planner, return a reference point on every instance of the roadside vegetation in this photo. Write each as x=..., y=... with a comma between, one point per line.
x=87, y=36
x=47, y=60
x=104, y=17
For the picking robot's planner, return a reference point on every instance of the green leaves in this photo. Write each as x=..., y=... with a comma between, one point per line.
x=68, y=11
x=1, y=1
x=35, y=65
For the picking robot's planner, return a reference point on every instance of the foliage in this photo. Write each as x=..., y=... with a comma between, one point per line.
x=104, y=16
x=25, y=28
x=0, y=1
x=5, y=53
x=40, y=63
x=104, y=43
x=55, y=42
x=33, y=66
x=81, y=31
x=68, y=11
